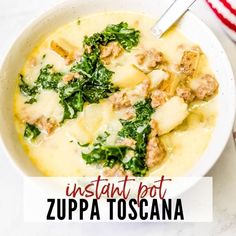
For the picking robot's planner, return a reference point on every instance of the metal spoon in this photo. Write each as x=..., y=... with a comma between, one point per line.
x=171, y=15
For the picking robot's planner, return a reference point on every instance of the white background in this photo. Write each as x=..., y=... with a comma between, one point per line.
x=14, y=15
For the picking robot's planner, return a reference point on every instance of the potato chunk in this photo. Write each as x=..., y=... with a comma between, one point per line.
x=170, y=114
x=95, y=116
x=64, y=49
x=157, y=76
x=128, y=76
x=169, y=85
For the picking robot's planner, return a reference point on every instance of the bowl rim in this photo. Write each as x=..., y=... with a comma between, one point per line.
x=193, y=171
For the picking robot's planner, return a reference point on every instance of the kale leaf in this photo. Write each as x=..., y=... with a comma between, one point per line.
x=72, y=105
x=138, y=129
x=98, y=86
x=127, y=37
x=94, y=83
x=104, y=154
x=31, y=132
x=87, y=64
x=28, y=91
x=48, y=79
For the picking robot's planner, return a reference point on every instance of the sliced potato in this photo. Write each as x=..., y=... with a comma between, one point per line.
x=95, y=116
x=79, y=133
x=64, y=49
x=128, y=76
x=189, y=62
x=169, y=85
x=157, y=76
x=170, y=114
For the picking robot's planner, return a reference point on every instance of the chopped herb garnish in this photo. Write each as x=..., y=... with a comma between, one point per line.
x=31, y=132
x=78, y=22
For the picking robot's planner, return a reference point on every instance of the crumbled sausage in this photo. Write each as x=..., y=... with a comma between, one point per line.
x=46, y=124
x=124, y=99
x=185, y=93
x=206, y=87
x=158, y=98
x=129, y=142
x=129, y=113
x=155, y=152
x=116, y=171
x=140, y=58
x=149, y=59
x=68, y=77
x=154, y=128
x=110, y=51
x=120, y=100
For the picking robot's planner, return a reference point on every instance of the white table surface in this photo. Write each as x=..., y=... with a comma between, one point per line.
x=14, y=15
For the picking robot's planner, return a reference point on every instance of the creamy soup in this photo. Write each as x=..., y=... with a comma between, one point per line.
x=102, y=95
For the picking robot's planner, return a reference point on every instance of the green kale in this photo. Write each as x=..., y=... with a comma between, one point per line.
x=106, y=155
x=83, y=145
x=127, y=37
x=140, y=124
x=74, y=94
x=48, y=79
x=138, y=129
x=31, y=132
x=87, y=64
x=102, y=138
x=99, y=86
x=28, y=91
x=94, y=83
x=72, y=105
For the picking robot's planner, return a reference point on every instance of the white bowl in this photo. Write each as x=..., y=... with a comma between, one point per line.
x=190, y=25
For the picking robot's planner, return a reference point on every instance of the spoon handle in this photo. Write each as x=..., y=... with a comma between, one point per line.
x=171, y=15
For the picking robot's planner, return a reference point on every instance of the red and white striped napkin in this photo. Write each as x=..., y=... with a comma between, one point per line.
x=225, y=10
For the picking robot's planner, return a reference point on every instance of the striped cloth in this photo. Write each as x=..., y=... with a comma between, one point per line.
x=225, y=10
